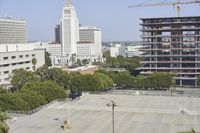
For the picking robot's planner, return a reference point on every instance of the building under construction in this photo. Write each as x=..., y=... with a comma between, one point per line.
x=172, y=45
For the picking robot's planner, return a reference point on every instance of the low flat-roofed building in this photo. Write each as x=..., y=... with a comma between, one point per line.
x=16, y=56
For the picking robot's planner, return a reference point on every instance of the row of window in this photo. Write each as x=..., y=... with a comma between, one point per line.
x=14, y=64
x=20, y=56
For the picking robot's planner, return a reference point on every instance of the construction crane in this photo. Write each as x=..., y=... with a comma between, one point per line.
x=177, y=4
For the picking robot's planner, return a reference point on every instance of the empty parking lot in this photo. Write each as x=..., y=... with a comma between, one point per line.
x=133, y=114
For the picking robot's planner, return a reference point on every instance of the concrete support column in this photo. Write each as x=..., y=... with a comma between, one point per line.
x=181, y=82
x=196, y=85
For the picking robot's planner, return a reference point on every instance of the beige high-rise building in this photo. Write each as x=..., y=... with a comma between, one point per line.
x=13, y=31
x=69, y=29
x=93, y=35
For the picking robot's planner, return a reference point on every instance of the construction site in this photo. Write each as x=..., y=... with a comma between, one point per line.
x=171, y=44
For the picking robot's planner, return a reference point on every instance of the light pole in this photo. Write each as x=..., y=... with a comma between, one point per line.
x=67, y=122
x=113, y=104
x=68, y=112
x=114, y=85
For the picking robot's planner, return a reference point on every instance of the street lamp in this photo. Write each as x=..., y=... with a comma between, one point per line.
x=68, y=112
x=114, y=85
x=113, y=104
x=67, y=122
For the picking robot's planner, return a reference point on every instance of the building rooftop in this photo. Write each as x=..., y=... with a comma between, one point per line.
x=11, y=19
x=89, y=28
x=170, y=17
x=133, y=114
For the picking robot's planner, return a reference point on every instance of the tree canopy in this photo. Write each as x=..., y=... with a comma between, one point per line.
x=3, y=126
x=21, y=76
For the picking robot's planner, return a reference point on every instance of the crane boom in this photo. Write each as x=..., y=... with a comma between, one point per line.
x=177, y=4
x=164, y=4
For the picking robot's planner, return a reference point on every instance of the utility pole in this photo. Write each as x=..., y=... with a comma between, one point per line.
x=113, y=104
x=68, y=112
x=113, y=117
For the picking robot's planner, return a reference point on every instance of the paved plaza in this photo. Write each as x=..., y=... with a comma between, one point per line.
x=133, y=114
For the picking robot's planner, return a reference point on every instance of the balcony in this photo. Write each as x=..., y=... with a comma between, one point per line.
x=178, y=42
x=166, y=62
x=169, y=36
x=170, y=23
x=173, y=49
x=171, y=55
x=170, y=29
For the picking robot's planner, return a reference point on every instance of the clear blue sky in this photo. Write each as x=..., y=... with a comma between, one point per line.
x=117, y=22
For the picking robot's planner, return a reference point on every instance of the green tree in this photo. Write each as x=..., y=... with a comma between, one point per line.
x=48, y=89
x=55, y=74
x=104, y=80
x=2, y=90
x=59, y=76
x=47, y=59
x=73, y=59
x=123, y=79
x=3, y=126
x=43, y=72
x=198, y=80
x=192, y=131
x=79, y=62
x=12, y=101
x=139, y=82
x=34, y=62
x=85, y=62
x=96, y=82
x=21, y=76
x=32, y=99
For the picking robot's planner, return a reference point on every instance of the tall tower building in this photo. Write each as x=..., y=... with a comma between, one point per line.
x=13, y=31
x=69, y=29
x=57, y=34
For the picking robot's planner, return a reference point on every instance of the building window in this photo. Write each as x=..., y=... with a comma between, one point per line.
x=6, y=72
x=33, y=67
x=13, y=57
x=27, y=68
x=20, y=56
x=6, y=65
x=5, y=58
x=27, y=55
x=14, y=64
x=27, y=62
x=33, y=55
x=6, y=79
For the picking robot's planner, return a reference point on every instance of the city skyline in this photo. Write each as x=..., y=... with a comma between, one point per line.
x=118, y=23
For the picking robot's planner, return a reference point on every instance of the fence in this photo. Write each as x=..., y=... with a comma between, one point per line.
x=34, y=110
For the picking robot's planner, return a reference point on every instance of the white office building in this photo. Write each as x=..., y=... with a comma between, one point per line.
x=114, y=50
x=54, y=49
x=91, y=34
x=15, y=56
x=86, y=51
x=15, y=52
x=69, y=30
x=130, y=51
x=13, y=31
